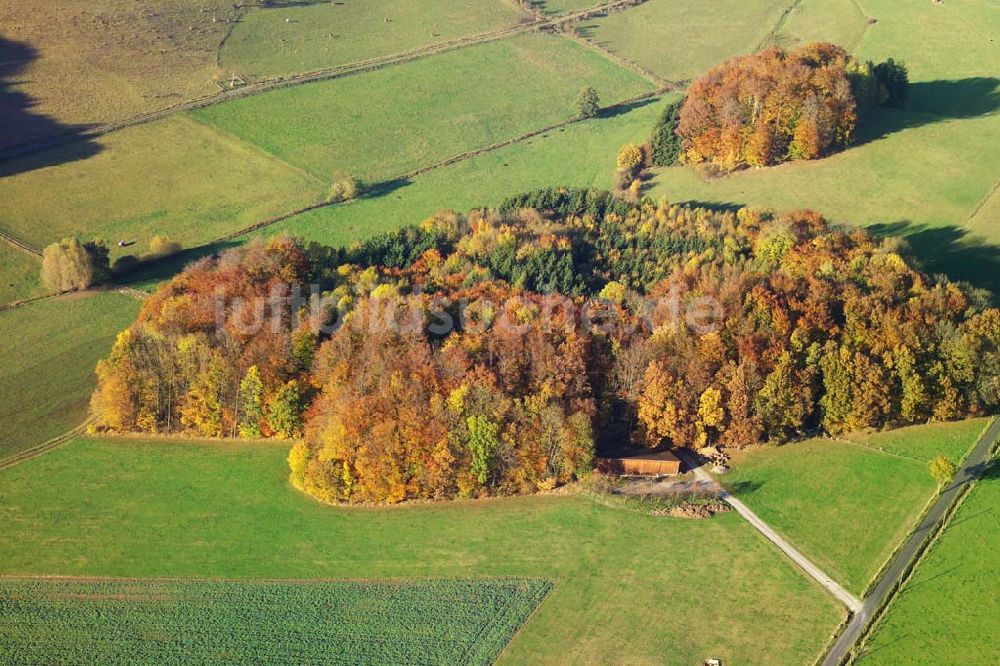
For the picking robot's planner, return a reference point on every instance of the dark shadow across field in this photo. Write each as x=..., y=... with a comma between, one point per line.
x=949, y=250
x=22, y=127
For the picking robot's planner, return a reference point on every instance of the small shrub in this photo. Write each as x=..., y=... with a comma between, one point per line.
x=344, y=188
x=162, y=246
x=588, y=104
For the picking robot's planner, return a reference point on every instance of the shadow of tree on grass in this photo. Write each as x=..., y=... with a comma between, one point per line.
x=949, y=250
x=21, y=126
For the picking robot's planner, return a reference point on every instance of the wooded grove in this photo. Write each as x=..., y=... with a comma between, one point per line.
x=495, y=352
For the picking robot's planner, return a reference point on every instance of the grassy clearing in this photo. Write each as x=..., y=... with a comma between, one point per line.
x=309, y=36
x=86, y=61
x=49, y=350
x=394, y=120
x=18, y=275
x=553, y=7
x=629, y=588
x=842, y=22
x=157, y=621
x=581, y=155
x=680, y=39
x=843, y=505
x=951, y=605
x=919, y=172
x=200, y=185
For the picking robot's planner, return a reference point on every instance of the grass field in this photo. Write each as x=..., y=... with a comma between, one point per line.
x=581, y=155
x=680, y=39
x=230, y=622
x=391, y=121
x=628, y=587
x=200, y=184
x=842, y=22
x=552, y=7
x=313, y=35
x=847, y=506
x=951, y=605
x=919, y=172
x=19, y=273
x=49, y=350
x=93, y=61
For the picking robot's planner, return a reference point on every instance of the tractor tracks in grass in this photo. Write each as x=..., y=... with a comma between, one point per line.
x=339, y=71
x=44, y=447
x=19, y=244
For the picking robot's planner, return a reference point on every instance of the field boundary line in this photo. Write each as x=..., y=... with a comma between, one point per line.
x=323, y=74
x=853, y=603
x=982, y=202
x=769, y=38
x=866, y=17
x=888, y=584
x=663, y=84
x=226, y=134
x=878, y=617
x=454, y=159
x=924, y=510
x=19, y=244
x=44, y=447
x=874, y=450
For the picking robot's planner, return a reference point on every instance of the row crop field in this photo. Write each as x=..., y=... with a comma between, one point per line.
x=847, y=504
x=628, y=587
x=62, y=621
x=391, y=121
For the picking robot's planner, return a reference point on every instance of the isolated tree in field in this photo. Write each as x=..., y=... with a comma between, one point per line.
x=588, y=104
x=70, y=265
x=344, y=187
x=942, y=469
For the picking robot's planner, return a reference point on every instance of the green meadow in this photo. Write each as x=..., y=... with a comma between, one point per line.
x=19, y=273
x=302, y=37
x=578, y=155
x=201, y=185
x=681, y=39
x=49, y=349
x=924, y=172
x=847, y=504
x=391, y=121
x=627, y=587
x=950, y=606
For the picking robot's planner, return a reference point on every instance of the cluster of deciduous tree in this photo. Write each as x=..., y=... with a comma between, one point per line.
x=216, y=352
x=778, y=105
x=406, y=413
x=678, y=326
x=70, y=265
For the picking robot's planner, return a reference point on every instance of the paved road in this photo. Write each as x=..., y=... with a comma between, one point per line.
x=842, y=595
x=901, y=562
